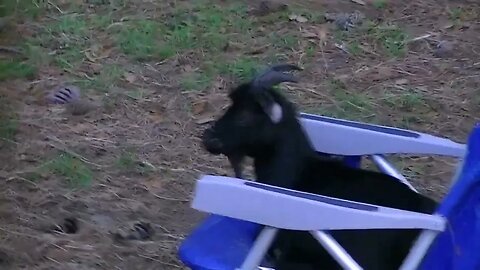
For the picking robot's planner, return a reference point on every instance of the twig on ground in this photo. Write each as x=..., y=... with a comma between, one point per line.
x=426, y=36
x=56, y=7
x=169, y=199
x=10, y=50
x=53, y=260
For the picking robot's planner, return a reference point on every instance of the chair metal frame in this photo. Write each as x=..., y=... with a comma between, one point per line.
x=352, y=140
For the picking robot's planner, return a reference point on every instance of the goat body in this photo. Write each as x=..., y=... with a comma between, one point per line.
x=284, y=157
x=372, y=249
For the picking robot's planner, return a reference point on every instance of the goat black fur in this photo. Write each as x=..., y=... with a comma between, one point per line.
x=283, y=156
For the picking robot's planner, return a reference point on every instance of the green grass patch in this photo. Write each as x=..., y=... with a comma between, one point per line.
x=455, y=14
x=106, y=80
x=380, y=4
x=348, y=104
x=196, y=81
x=129, y=162
x=74, y=24
x=37, y=56
x=8, y=121
x=8, y=127
x=69, y=56
x=409, y=100
x=284, y=41
x=203, y=26
x=392, y=38
x=354, y=105
x=353, y=47
x=23, y=8
x=68, y=37
x=101, y=21
x=242, y=68
x=408, y=120
x=74, y=170
x=142, y=40
x=12, y=69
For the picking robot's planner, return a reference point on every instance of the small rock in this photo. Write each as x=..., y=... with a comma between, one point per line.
x=266, y=7
x=298, y=18
x=345, y=21
x=80, y=107
x=444, y=49
x=139, y=231
x=401, y=81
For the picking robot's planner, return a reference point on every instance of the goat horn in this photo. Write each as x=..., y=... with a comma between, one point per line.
x=273, y=76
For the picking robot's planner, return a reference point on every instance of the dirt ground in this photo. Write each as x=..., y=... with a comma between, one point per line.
x=153, y=74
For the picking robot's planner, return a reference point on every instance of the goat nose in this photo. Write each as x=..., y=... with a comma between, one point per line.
x=208, y=133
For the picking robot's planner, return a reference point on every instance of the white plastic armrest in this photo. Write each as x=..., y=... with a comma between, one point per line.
x=289, y=209
x=343, y=137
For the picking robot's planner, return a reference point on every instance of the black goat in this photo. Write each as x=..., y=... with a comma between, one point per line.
x=263, y=125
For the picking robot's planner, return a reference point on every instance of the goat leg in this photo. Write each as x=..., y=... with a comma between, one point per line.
x=236, y=163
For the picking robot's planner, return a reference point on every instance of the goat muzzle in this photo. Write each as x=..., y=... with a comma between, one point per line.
x=211, y=143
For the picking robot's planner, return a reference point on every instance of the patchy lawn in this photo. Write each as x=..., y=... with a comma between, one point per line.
x=153, y=73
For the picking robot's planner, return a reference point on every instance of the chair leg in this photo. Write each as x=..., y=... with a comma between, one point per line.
x=336, y=250
x=419, y=249
x=385, y=167
x=259, y=249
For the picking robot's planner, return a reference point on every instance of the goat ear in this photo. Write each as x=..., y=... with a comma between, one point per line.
x=271, y=108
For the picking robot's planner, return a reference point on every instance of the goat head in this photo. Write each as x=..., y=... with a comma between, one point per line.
x=250, y=122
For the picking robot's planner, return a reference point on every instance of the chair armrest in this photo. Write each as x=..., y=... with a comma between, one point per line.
x=289, y=209
x=350, y=138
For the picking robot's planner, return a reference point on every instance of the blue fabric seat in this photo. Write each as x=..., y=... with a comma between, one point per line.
x=218, y=243
x=458, y=248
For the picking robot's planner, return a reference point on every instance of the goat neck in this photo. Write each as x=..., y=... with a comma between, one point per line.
x=282, y=162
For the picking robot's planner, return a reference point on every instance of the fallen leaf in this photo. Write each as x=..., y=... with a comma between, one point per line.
x=379, y=74
x=448, y=26
x=95, y=53
x=199, y=107
x=298, y=18
x=89, y=56
x=156, y=116
x=259, y=50
x=322, y=32
x=153, y=184
x=360, y=2
x=130, y=77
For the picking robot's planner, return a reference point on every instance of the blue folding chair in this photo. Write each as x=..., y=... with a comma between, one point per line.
x=237, y=233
